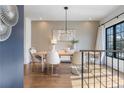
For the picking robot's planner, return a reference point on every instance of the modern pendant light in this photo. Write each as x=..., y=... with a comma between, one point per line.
x=9, y=14
x=5, y=31
x=8, y=18
x=66, y=23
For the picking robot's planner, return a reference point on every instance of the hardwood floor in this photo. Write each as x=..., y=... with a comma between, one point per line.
x=34, y=78
x=37, y=79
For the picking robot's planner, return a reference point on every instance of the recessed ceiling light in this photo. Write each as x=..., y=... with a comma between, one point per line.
x=41, y=18
x=90, y=18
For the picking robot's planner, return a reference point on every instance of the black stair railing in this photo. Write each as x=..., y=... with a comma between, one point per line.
x=102, y=69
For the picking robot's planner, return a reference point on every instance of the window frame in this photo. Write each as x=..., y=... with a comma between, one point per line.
x=114, y=39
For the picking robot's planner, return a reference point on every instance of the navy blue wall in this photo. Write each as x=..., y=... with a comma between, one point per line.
x=12, y=55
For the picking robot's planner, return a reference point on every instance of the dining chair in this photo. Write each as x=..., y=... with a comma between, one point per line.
x=52, y=59
x=34, y=58
x=76, y=63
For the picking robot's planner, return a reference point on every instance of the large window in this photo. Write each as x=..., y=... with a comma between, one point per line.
x=115, y=39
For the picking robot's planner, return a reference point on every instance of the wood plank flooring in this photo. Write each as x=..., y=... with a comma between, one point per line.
x=34, y=78
x=37, y=79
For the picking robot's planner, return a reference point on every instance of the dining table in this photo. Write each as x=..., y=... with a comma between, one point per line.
x=43, y=55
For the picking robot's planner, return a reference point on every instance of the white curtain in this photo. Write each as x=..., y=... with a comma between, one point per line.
x=100, y=43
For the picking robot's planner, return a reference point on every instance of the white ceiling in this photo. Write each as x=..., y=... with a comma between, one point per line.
x=75, y=12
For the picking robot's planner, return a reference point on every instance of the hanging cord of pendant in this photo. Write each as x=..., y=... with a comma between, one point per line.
x=66, y=8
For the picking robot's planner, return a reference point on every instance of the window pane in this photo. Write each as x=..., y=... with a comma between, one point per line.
x=115, y=36
x=118, y=45
x=109, y=54
x=110, y=31
x=118, y=37
x=110, y=38
x=122, y=35
x=110, y=45
x=118, y=28
x=122, y=43
x=122, y=26
x=120, y=55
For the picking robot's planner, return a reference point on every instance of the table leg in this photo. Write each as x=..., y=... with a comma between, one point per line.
x=42, y=64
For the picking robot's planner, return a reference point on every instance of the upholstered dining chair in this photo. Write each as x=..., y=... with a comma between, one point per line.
x=34, y=58
x=52, y=59
x=76, y=63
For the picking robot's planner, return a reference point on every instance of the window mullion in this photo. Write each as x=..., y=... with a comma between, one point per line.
x=114, y=40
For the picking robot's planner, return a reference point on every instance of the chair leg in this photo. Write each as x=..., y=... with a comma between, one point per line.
x=33, y=66
x=42, y=67
x=52, y=69
x=47, y=68
x=76, y=68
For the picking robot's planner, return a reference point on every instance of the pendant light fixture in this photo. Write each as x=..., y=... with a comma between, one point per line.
x=9, y=14
x=8, y=18
x=66, y=23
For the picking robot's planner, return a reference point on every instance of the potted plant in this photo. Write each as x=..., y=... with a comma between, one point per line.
x=74, y=42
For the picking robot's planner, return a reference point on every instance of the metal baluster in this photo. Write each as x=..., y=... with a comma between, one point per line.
x=88, y=69
x=123, y=68
x=94, y=69
x=118, y=69
x=82, y=69
x=106, y=71
x=100, y=69
x=112, y=70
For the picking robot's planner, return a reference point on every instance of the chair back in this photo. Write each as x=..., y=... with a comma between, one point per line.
x=53, y=57
x=31, y=51
x=77, y=58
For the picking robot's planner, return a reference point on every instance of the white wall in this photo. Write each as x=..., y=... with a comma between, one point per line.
x=116, y=12
x=117, y=20
x=27, y=40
